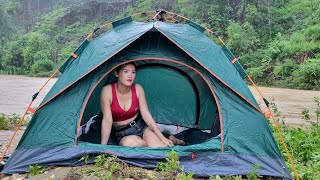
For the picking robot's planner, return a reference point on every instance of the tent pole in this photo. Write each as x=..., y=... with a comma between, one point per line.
x=110, y=23
x=278, y=129
x=100, y=27
x=207, y=29
x=25, y=113
x=154, y=18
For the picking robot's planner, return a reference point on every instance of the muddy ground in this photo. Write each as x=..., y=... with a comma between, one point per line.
x=16, y=93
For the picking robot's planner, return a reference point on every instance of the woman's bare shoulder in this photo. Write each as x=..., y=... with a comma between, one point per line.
x=139, y=88
x=107, y=91
x=107, y=87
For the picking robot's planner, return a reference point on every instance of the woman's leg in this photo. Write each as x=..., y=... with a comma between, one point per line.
x=152, y=139
x=132, y=141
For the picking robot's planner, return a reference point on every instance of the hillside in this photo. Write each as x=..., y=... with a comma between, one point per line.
x=278, y=42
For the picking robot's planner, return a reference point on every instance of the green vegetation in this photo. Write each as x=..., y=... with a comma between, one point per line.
x=278, y=42
x=172, y=167
x=317, y=100
x=10, y=122
x=110, y=167
x=254, y=174
x=303, y=144
x=36, y=169
x=104, y=167
x=172, y=163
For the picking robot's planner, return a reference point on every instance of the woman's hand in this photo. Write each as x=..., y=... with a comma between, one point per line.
x=167, y=142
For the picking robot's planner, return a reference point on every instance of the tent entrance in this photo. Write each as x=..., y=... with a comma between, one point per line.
x=172, y=96
x=176, y=95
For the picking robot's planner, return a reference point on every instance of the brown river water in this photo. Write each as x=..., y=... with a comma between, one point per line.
x=16, y=93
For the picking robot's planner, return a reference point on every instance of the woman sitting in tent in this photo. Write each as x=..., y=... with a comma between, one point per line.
x=120, y=105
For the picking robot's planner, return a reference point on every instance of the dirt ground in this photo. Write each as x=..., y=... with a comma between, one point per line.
x=16, y=92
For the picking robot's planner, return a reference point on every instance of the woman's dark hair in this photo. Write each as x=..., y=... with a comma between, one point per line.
x=118, y=69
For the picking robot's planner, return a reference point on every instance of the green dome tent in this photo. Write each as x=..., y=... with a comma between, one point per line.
x=189, y=81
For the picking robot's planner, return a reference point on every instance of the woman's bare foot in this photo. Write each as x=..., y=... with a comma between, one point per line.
x=176, y=141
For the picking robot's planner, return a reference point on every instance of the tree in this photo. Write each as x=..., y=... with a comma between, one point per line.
x=36, y=49
x=42, y=68
x=5, y=27
x=242, y=38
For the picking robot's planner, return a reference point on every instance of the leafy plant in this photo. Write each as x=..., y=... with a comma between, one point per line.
x=285, y=70
x=172, y=162
x=172, y=165
x=185, y=176
x=277, y=114
x=254, y=174
x=36, y=169
x=317, y=100
x=305, y=114
x=86, y=158
x=256, y=73
x=10, y=122
x=242, y=38
x=308, y=75
x=217, y=177
x=104, y=166
x=42, y=66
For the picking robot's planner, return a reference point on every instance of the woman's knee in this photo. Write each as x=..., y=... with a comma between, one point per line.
x=132, y=141
x=152, y=139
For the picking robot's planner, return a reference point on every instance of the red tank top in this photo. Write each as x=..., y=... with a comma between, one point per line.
x=118, y=114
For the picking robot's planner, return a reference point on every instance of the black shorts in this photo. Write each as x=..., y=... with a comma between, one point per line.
x=135, y=127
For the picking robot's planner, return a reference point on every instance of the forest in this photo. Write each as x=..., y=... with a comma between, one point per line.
x=277, y=42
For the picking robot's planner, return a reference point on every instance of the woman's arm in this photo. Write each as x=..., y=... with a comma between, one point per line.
x=107, y=116
x=148, y=118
